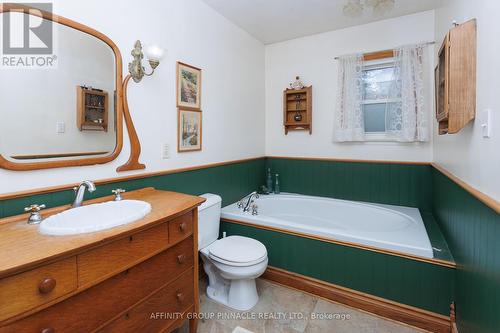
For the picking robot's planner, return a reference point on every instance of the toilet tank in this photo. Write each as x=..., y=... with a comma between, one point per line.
x=209, y=220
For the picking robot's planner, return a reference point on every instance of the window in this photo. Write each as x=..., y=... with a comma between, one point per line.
x=378, y=80
x=383, y=99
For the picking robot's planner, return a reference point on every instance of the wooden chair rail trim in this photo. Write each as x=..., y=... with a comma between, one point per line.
x=433, y=261
x=348, y=160
x=383, y=307
x=104, y=181
x=484, y=198
x=487, y=200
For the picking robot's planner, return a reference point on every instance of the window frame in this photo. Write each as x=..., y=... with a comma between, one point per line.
x=373, y=65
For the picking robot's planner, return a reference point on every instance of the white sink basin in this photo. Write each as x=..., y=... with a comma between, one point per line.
x=95, y=217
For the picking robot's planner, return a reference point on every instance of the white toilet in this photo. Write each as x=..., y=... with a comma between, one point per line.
x=231, y=263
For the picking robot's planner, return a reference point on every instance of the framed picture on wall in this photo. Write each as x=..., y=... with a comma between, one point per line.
x=189, y=130
x=188, y=86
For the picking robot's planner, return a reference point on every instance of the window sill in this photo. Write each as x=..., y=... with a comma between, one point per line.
x=378, y=137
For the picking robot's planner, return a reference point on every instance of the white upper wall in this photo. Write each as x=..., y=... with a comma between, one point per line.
x=468, y=155
x=312, y=58
x=191, y=32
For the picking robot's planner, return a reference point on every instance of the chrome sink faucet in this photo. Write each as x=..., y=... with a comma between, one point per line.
x=80, y=192
x=247, y=201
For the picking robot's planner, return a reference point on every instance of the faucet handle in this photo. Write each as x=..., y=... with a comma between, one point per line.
x=118, y=193
x=35, y=216
x=34, y=208
x=255, y=209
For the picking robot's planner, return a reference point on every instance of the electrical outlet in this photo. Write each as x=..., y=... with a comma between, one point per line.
x=60, y=127
x=165, y=151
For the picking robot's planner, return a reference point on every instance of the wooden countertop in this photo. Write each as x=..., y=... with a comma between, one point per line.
x=22, y=247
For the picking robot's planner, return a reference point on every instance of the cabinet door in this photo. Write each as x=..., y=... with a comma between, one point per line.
x=442, y=81
x=462, y=75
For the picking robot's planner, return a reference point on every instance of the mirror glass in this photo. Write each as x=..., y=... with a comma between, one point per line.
x=64, y=112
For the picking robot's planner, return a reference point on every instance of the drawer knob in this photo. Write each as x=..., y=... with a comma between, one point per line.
x=48, y=330
x=180, y=297
x=182, y=227
x=181, y=258
x=46, y=286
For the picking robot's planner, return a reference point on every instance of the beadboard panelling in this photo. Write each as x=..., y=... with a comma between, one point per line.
x=231, y=181
x=394, y=184
x=472, y=231
x=410, y=282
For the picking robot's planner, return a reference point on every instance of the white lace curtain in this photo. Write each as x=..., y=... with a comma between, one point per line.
x=406, y=119
x=349, y=119
x=406, y=111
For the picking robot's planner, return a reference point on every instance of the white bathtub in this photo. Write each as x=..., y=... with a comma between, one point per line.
x=387, y=227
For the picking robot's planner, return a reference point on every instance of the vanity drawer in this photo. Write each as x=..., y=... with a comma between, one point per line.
x=113, y=258
x=27, y=290
x=92, y=308
x=169, y=303
x=180, y=228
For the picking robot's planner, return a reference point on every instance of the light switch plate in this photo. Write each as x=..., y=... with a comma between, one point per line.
x=165, y=151
x=486, y=123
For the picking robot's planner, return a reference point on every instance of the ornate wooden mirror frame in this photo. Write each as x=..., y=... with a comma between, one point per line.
x=135, y=148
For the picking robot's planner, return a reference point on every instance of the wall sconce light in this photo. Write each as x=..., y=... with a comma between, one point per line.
x=153, y=54
x=137, y=72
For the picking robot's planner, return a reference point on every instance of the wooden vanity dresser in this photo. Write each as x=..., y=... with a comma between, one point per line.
x=141, y=277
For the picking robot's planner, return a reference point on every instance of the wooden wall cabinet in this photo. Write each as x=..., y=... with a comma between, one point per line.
x=92, y=109
x=297, y=109
x=455, y=77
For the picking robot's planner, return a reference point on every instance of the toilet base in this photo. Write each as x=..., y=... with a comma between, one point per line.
x=237, y=294
x=233, y=287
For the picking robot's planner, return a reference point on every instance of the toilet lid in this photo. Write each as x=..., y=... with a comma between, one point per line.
x=238, y=249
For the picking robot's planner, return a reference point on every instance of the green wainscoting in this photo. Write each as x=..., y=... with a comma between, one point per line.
x=231, y=181
x=472, y=231
x=470, y=228
x=419, y=284
x=394, y=184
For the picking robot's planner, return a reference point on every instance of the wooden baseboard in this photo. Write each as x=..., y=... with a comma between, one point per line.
x=416, y=317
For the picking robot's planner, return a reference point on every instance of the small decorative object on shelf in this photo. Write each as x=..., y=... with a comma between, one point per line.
x=297, y=107
x=297, y=84
x=92, y=109
x=298, y=116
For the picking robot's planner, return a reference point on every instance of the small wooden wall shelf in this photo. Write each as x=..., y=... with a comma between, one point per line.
x=92, y=109
x=297, y=109
x=455, y=79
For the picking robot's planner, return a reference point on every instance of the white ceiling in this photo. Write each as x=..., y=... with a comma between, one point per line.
x=273, y=21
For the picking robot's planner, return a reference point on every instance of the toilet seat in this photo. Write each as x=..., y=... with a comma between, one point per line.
x=237, y=251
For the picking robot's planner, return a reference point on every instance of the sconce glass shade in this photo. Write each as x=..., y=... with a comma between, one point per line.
x=154, y=53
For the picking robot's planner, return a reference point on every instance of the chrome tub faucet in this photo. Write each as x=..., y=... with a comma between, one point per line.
x=247, y=201
x=80, y=192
